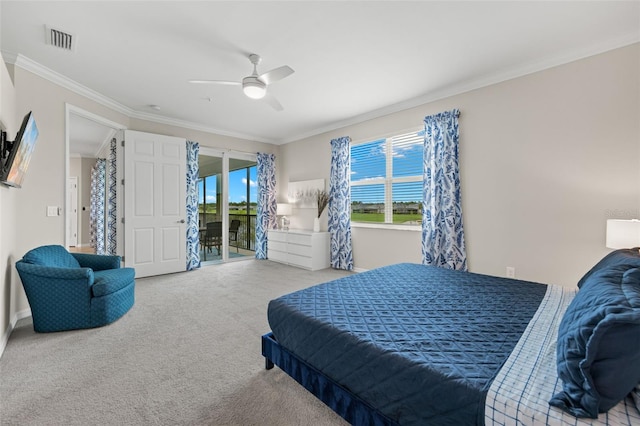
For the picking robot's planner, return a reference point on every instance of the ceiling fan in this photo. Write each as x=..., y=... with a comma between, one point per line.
x=255, y=85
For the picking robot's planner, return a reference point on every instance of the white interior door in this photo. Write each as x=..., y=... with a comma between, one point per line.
x=154, y=203
x=72, y=209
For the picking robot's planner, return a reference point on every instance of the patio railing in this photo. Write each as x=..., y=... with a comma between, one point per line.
x=246, y=232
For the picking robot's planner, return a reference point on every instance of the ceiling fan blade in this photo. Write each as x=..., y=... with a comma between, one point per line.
x=276, y=74
x=272, y=101
x=228, y=83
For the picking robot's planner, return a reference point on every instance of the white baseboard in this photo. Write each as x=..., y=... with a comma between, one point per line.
x=5, y=337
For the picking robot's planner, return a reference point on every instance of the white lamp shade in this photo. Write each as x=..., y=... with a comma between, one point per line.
x=254, y=92
x=253, y=87
x=623, y=233
x=284, y=209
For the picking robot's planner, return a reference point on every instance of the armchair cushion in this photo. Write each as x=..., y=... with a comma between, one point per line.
x=47, y=273
x=111, y=280
x=97, y=263
x=53, y=255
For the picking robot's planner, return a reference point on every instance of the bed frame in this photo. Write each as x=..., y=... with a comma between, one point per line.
x=350, y=407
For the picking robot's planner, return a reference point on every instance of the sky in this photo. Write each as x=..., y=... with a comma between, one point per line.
x=369, y=163
x=237, y=187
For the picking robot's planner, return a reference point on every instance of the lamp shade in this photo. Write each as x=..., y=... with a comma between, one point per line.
x=284, y=209
x=254, y=87
x=623, y=233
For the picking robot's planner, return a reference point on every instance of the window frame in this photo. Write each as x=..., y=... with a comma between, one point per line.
x=387, y=181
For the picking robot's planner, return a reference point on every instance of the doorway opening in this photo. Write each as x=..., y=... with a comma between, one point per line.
x=227, y=206
x=86, y=137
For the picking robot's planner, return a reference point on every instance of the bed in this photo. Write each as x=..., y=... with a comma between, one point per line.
x=412, y=345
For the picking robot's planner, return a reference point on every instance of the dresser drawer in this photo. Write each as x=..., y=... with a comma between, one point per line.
x=277, y=236
x=276, y=245
x=301, y=261
x=300, y=250
x=279, y=256
x=300, y=239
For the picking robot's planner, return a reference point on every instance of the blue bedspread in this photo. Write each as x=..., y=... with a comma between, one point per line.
x=419, y=344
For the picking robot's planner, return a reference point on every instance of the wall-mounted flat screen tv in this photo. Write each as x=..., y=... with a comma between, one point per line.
x=15, y=166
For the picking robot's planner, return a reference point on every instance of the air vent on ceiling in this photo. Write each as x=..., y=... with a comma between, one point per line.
x=60, y=39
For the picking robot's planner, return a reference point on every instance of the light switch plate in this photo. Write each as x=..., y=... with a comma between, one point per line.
x=52, y=210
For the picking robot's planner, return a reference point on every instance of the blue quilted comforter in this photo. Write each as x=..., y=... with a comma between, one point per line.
x=420, y=344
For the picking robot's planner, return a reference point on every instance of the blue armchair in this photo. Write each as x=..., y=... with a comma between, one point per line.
x=68, y=291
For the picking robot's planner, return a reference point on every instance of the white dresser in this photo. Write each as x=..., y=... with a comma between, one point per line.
x=299, y=247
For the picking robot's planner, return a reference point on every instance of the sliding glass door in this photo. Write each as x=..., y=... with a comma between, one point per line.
x=243, y=196
x=227, y=205
x=210, y=206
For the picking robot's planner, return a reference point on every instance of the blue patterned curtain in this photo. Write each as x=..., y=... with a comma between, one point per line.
x=193, y=231
x=339, y=209
x=266, y=215
x=112, y=219
x=442, y=230
x=97, y=209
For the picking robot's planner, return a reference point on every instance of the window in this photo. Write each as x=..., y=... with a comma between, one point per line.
x=386, y=180
x=209, y=199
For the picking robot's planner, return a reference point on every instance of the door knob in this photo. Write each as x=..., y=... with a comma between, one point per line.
x=181, y=221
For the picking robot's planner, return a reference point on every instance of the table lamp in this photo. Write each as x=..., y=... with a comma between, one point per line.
x=623, y=233
x=284, y=210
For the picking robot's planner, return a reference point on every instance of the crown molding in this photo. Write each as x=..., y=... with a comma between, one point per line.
x=476, y=83
x=469, y=85
x=195, y=126
x=67, y=83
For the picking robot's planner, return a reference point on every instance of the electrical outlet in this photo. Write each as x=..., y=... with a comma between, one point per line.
x=511, y=272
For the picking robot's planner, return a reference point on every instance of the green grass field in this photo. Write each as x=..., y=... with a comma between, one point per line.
x=355, y=217
x=379, y=217
x=231, y=212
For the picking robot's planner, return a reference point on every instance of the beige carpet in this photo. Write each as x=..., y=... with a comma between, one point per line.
x=188, y=353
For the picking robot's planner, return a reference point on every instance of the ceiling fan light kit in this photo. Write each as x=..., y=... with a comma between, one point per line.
x=255, y=85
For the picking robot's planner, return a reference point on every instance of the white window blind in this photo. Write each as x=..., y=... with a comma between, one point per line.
x=386, y=180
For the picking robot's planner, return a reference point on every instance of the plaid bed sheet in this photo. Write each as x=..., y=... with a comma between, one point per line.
x=520, y=393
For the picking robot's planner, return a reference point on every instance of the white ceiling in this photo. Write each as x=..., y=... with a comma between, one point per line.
x=353, y=60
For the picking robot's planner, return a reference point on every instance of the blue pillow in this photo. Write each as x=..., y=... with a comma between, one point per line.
x=598, y=350
x=629, y=257
x=53, y=255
